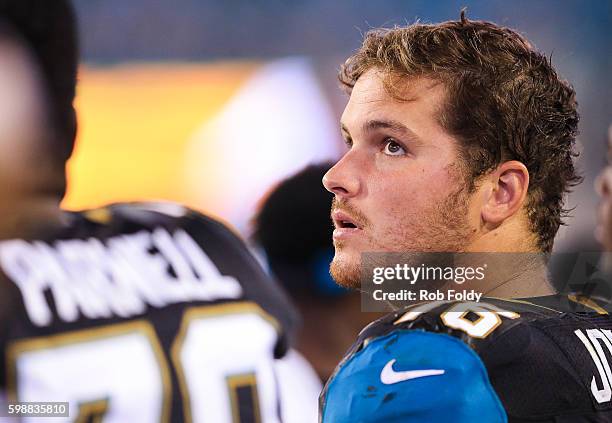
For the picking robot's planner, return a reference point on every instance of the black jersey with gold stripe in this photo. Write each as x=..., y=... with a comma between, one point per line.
x=141, y=312
x=543, y=359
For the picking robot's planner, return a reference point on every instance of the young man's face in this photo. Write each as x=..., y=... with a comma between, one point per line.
x=400, y=186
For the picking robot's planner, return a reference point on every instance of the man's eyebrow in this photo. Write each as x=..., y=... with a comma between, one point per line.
x=393, y=125
x=399, y=128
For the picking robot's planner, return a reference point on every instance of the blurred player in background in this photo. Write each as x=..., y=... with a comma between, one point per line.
x=294, y=230
x=298, y=256
x=131, y=313
x=461, y=139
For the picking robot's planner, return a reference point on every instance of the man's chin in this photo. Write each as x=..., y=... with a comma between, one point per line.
x=346, y=272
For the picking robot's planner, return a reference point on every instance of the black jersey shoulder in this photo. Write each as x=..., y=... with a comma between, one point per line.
x=537, y=357
x=224, y=248
x=436, y=316
x=221, y=243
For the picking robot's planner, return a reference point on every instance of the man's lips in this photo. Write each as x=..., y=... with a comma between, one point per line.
x=346, y=226
x=343, y=220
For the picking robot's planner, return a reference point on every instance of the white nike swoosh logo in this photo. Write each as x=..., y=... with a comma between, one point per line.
x=388, y=376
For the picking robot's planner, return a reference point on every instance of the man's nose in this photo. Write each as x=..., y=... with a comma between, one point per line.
x=343, y=179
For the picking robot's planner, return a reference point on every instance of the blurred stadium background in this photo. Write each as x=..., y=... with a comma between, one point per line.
x=212, y=102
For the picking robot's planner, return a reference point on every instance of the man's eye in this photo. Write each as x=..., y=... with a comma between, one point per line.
x=392, y=148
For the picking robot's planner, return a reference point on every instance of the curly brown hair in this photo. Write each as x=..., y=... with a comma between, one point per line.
x=504, y=102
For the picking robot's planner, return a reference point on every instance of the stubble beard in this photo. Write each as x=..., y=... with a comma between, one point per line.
x=442, y=228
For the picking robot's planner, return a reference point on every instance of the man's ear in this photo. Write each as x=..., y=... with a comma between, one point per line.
x=507, y=192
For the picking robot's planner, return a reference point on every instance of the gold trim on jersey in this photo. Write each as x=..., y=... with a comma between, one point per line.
x=15, y=348
x=240, y=381
x=208, y=311
x=483, y=310
x=101, y=215
x=512, y=300
x=587, y=302
x=470, y=329
x=92, y=411
x=579, y=299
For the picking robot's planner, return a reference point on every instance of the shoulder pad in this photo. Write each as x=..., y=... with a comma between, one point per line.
x=411, y=375
x=148, y=215
x=474, y=323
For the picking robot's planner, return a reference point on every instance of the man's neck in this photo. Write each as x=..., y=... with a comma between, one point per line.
x=27, y=218
x=510, y=275
x=516, y=268
x=529, y=279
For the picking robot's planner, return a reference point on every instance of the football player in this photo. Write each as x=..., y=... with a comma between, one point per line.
x=130, y=313
x=460, y=139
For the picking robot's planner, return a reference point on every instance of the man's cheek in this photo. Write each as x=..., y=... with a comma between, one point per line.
x=401, y=201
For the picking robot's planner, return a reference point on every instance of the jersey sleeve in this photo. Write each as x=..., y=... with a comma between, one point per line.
x=411, y=375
